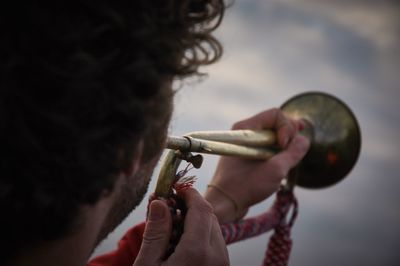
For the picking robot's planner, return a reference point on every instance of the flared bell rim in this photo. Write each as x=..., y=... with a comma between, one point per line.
x=336, y=141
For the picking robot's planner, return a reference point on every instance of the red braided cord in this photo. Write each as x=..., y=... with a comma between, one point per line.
x=280, y=244
x=250, y=227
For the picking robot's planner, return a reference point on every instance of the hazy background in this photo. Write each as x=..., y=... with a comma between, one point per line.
x=276, y=49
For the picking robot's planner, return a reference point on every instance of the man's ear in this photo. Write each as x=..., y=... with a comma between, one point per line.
x=136, y=160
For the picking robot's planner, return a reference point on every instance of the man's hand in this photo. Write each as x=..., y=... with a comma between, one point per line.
x=239, y=184
x=201, y=242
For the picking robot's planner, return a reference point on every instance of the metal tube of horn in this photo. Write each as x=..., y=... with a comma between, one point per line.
x=224, y=143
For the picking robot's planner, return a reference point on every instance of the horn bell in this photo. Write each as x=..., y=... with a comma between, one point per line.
x=335, y=138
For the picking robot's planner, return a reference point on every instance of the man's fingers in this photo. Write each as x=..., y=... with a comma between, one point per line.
x=265, y=119
x=198, y=220
x=271, y=119
x=218, y=244
x=280, y=164
x=156, y=235
x=201, y=242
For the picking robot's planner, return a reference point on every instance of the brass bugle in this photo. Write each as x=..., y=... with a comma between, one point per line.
x=331, y=127
x=250, y=144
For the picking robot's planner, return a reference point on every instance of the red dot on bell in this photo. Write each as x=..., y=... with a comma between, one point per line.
x=331, y=157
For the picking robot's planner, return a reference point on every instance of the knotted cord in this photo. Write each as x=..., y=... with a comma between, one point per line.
x=280, y=244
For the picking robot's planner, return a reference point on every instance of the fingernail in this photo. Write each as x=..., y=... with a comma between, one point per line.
x=157, y=211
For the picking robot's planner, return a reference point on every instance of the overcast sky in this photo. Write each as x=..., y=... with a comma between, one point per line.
x=276, y=49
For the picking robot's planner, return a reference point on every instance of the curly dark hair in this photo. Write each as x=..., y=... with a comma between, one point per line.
x=81, y=81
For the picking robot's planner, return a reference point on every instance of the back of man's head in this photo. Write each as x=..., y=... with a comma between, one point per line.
x=81, y=82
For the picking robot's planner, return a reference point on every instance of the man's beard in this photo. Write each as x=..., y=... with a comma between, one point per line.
x=134, y=187
x=128, y=198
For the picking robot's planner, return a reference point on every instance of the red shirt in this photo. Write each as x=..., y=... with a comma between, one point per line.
x=126, y=252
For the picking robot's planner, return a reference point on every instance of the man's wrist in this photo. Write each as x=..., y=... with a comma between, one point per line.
x=225, y=207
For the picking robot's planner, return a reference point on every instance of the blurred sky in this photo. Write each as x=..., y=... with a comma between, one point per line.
x=275, y=49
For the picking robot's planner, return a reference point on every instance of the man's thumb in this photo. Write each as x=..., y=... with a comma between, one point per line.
x=156, y=234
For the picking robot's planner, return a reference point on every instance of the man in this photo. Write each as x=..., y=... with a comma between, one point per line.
x=86, y=98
